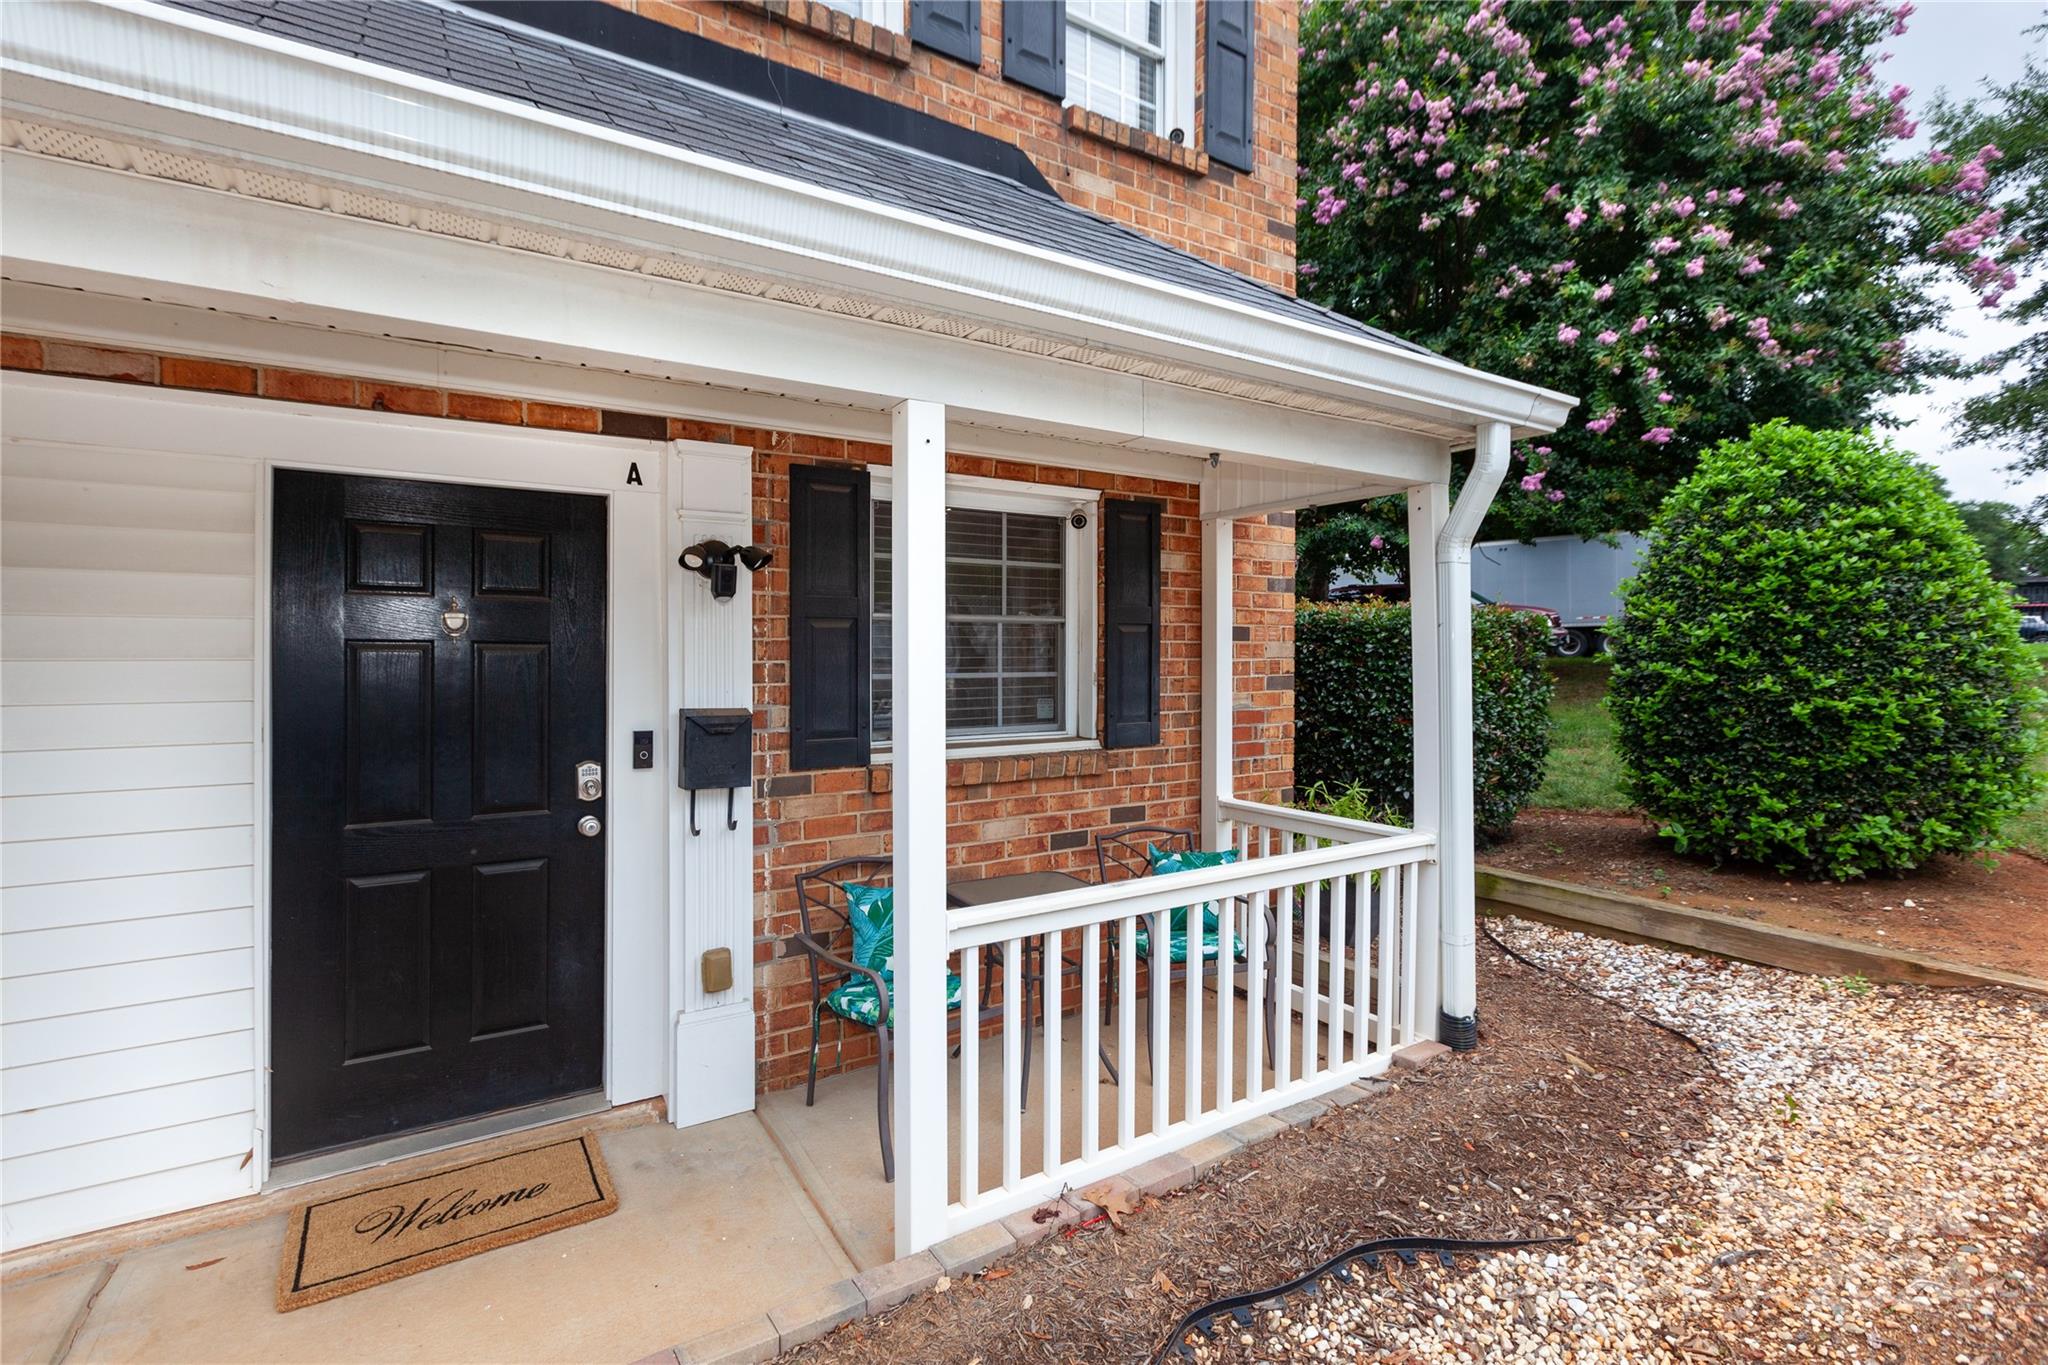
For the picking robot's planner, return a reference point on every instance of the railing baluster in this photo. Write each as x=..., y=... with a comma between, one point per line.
x=1337, y=1016
x=1389, y=949
x=1256, y=965
x=1053, y=987
x=1410, y=878
x=1311, y=970
x=1127, y=1032
x=1361, y=965
x=1091, y=1041
x=970, y=1075
x=1159, y=995
x=1226, y=995
x=1013, y=1039
x=1283, y=986
x=1198, y=967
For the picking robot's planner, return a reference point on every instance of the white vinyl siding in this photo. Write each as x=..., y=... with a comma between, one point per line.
x=128, y=705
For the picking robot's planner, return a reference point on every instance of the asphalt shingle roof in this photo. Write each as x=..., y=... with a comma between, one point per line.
x=479, y=53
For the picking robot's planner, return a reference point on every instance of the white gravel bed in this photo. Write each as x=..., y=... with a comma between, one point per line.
x=1877, y=1189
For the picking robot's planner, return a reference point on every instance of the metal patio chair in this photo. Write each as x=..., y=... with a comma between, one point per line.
x=1125, y=853
x=822, y=896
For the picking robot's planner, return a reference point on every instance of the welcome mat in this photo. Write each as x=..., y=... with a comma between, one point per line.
x=352, y=1242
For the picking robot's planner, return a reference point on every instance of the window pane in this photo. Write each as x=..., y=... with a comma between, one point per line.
x=878, y=652
x=970, y=704
x=971, y=647
x=1034, y=591
x=1031, y=649
x=1030, y=702
x=974, y=589
x=973, y=535
x=1035, y=540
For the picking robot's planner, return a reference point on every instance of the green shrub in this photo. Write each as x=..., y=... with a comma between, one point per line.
x=1354, y=718
x=1815, y=670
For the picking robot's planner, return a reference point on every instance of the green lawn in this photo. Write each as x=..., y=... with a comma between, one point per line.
x=1585, y=774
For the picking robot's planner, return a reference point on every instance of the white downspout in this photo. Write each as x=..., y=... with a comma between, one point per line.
x=1459, y=1023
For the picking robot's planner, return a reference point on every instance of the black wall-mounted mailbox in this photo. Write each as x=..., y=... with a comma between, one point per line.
x=718, y=747
x=717, y=751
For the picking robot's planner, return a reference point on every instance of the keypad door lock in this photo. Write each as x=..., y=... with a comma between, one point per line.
x=589, y=780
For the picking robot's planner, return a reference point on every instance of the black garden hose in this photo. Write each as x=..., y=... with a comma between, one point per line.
x=1240, y=1306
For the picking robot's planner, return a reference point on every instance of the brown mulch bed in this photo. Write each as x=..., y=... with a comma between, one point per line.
x=1991, y=912
x=1554, y=1125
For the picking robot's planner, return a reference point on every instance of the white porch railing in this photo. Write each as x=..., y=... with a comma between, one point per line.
x=1326, y=910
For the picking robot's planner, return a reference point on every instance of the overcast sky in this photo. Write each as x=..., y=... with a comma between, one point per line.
x=1956, y=44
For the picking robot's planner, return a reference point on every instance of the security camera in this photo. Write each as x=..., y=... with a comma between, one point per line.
x=720, y=563
x=1078, y=519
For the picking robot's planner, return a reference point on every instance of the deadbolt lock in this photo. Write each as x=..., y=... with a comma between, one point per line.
x=589, y=780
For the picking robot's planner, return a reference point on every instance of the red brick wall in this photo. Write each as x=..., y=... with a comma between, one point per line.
x=1244, y=221
x=1021, y=813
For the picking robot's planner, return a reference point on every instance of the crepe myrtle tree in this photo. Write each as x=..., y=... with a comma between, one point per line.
x=2014, y=118
x=1695, y=217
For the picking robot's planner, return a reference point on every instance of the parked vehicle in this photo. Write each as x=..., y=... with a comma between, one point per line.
x=1579, y=577
x=2034, y=628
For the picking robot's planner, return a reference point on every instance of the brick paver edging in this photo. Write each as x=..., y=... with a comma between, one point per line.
x=878, y=1290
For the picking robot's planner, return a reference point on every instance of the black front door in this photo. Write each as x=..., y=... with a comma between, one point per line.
x=437, y=915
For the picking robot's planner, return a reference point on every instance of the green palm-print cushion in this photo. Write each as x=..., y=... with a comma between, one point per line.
x=856, y=1000
x=871, y=910
x=1164, y=861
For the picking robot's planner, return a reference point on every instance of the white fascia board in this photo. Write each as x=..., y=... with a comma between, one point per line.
x=83, y=227
x=158, y=73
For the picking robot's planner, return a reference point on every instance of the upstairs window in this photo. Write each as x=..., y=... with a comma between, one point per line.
x=1133, y=61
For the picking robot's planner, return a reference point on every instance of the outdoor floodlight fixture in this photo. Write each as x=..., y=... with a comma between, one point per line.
x=720, y=563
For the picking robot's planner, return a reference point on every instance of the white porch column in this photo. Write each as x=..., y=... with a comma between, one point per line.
x=918, y=821
x=1219, y=682
x=1458, y=1009
x=1428, y=508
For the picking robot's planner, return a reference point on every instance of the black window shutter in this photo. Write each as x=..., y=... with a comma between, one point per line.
x=949, y=26
x=1130, y=624
x=1227, y=82
x=829, y=606
x=1035, y=45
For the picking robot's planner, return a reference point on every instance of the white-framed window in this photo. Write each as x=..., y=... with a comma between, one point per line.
x=1020, y=612
x=1134, y=61
x=881, y=13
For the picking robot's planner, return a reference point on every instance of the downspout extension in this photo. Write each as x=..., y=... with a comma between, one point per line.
x=1458, y=1025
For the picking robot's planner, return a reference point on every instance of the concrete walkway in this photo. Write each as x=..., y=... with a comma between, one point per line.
x=712, y=1229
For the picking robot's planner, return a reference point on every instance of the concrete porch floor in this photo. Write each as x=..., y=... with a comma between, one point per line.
x=712, y=1228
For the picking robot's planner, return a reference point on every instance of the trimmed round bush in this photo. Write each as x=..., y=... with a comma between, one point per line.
x=1354, y=717
x=1814, y=670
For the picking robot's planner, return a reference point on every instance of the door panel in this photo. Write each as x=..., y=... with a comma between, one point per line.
x=438, y=920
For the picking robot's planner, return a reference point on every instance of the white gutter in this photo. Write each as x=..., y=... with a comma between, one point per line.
x=167, y=76
x=1459, y=1025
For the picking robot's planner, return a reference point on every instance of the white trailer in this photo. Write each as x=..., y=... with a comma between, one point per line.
x=1575, y=578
